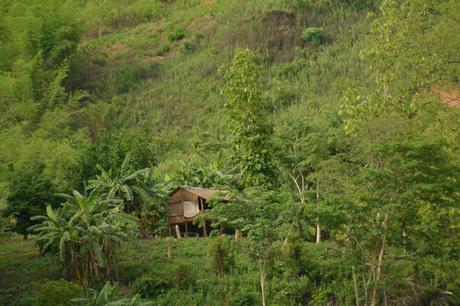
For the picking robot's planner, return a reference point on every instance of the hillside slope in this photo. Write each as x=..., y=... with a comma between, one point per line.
x=167, y=68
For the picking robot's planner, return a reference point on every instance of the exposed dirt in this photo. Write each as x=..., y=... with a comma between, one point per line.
x=450, y=96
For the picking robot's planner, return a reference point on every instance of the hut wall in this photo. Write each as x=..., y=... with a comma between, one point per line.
x=176, y=206
x=182, y=195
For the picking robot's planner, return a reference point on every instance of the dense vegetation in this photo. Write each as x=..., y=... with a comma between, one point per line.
x=324, y=122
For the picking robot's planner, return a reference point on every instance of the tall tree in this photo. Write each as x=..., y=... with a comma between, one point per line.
x=405, y=209
x=253, y=146
x=249, y=124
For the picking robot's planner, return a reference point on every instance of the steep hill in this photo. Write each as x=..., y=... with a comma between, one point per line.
x=167, y=67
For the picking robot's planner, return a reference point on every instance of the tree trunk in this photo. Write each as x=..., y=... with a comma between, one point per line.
x=318, y=233
x=169, y=250
x=318, y=229
x=378, y=273
x=300, y=189
x=355, y=286
x=262, y=280
x=205, y=231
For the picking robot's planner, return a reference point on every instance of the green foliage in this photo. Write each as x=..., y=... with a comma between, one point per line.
x=368, y=156
x=39, y=41
x=153, y=285
x=411, y=200
x=222, y=255
x=22, y=269
x=181, y=275
x=187, y=48
x=178, y=34
x=30, y=192
x=192, y=174
x=5, y=227
x=410, y=50
x=108, y=295
x=297, y=290
x=86, y=232
x=163, y=49
x=124, y=79
x=251, y=129
x=121, y=184
x=115, y=146
x=56, y=293
x=314, y=35
x=137, y=190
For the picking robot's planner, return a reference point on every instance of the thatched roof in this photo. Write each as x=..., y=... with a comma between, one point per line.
x=204, y=193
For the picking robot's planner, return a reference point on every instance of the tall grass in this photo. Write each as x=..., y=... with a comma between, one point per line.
x=180, y=91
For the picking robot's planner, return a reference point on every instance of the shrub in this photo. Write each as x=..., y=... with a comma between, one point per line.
x=182, y=297
x=56, y=293
x=181, y=276
x=87, y=231
x=109, y=296
x=5, y=227
x=314, y=35
x=177, y=35
x=162, y=50
x=30, y=191
x=295, y=291
x=222, y=257
x=152, y=285
x=187, y=48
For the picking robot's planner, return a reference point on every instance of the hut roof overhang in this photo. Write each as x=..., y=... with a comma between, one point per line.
x=204, y=193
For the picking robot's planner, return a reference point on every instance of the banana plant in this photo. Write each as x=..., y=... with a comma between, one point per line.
x=108, y=297
x=212, y=175
x=134, y=187
x=86, y=232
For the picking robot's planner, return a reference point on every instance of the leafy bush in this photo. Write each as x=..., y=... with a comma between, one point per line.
x=182, y=297
x=297, y=291
x=5, y=227
x=153, y=284
x=221, y=253
x=114, y=146
x=56, y=293
x=31, y=190
x=109, y=296
x=87, y=231
x=187, y=48
x=163, y=49
x=314, y=35
x=181, y=275
x=177, y=34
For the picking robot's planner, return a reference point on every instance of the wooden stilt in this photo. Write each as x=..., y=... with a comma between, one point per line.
x=237, y=234
x=169, y=230
x=186, y=229
x=178, y=231
x=168, y=243
x=204, y=229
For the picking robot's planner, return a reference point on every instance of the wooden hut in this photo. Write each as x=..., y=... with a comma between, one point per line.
x=185, y=204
